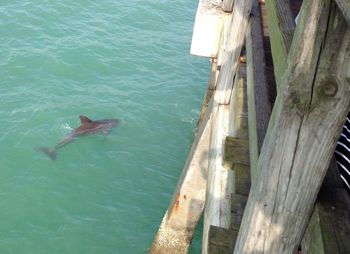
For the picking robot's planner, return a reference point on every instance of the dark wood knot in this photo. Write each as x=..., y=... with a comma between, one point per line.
x=329, y=88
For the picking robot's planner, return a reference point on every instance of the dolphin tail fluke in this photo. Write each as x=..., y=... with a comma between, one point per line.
x=51, y=152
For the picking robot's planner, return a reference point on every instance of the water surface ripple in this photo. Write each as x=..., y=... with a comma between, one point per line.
x=105, y=59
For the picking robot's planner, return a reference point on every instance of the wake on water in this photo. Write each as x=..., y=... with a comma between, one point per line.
x=51, y=152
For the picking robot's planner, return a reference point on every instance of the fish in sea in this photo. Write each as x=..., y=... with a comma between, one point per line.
x=87, y=126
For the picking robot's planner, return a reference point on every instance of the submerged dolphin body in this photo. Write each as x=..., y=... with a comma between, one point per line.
x=87, y=126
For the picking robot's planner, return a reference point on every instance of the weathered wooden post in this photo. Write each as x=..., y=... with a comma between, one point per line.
x=281, y=29
x=328, y=230
x=227, y=5
x=344, y=6
x=217, y=216
x=311, y=105
x=177, y=228
x=178, y=225
x=259, y=109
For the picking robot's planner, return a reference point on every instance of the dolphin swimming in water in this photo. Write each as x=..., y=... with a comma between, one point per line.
x=87, y=126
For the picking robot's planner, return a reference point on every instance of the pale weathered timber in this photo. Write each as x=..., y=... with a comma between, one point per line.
x=238, y=128
x=178, y=225
x=219, y=186
x=329, y=228
x=236, y=151
x=259, y=109
x=281, y=30
x=241, y=169
x=306, y=120
x=210, y=91
x=231, y=50
x=210, y=19
x=227, y=5
x=236, y=148
x=344, y=6
x=238, y=105
x=213, y=75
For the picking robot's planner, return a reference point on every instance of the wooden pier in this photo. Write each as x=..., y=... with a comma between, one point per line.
x=261, y=169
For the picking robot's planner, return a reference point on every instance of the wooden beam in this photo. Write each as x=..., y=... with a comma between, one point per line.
x=217, y=211
x=232, y=49
x=344, y=6
x=238, y=129
x=220, y=180
x=238, y=205
x=236, y=151
x=178, y=225
x=239, y=149
x=237, y=208
x=227, y=5
x=210, y=91
x=281, y=30
x=329, y=228
x=238, y=126
x=259, y=109
x=221, y=240
x=207, y=30
x=306, y=120
x=242, y=180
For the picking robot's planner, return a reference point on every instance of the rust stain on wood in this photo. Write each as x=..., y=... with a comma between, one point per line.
x=177, y=203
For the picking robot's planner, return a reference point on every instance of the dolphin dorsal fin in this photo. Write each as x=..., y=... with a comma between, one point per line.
x=84, y=120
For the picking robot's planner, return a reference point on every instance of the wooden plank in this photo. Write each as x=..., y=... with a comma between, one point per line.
x=242, y=179
x=213, y=74
x=329, y=228
x=313, y=241
x=306, y=120
x=281, y=30
x=232, y=49
x=240, y=157
x=208, y=27
x=237, y=209
x=236, y=151
x=238, y=126
x=227, y=5
x=221, y=240
x=218, y=176
x=344, y=6
x=210, y=91
x=259, y=109
x=268, y=56
x=219, y=185
x=334, y=211
x=220, y=180
x=179, y=222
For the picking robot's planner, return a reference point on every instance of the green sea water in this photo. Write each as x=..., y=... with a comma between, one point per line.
x=105, y=59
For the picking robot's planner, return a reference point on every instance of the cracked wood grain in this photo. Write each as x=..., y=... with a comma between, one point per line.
x=306, y=120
